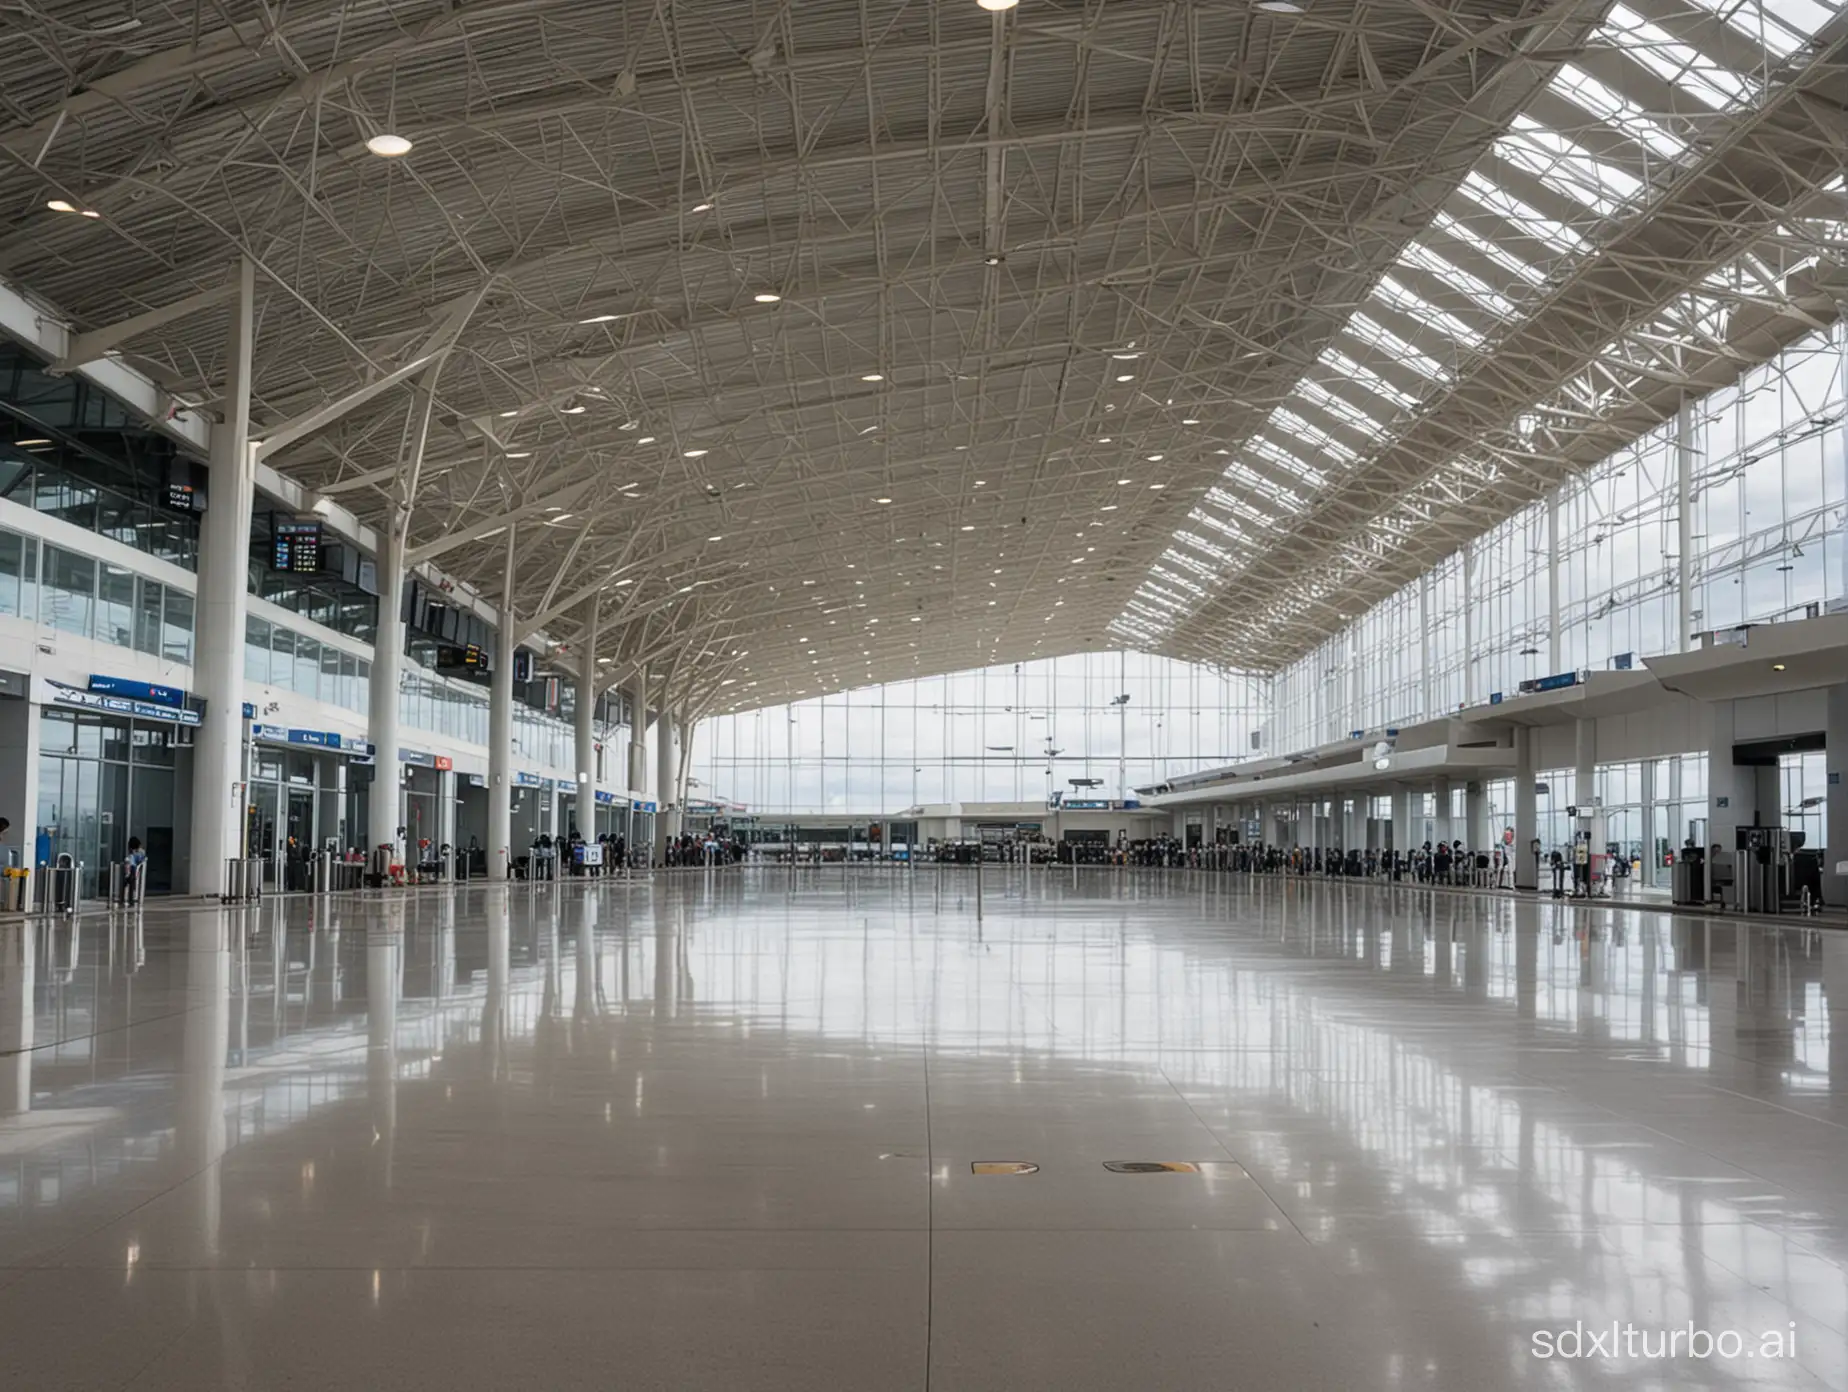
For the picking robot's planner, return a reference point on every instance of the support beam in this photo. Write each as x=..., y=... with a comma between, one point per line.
x=87, y=347
x=1552, y=582
x=1526, y=810
x=585, y=732
x=1684, y=528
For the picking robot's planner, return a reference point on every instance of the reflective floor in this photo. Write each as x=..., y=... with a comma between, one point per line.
x=723, y=1131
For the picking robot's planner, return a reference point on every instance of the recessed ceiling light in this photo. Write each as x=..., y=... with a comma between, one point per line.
x=1158, y=485
x=575, y=410
x=58, y=205
x=1108, y=507
x=646, y=440
x=1126, y=357
x=1777, y=666
x=702, y=207
x=968, y=527
x=981, y=483
x=519, y=454
x=1122, y=482
x=1156, y=458
x=1126, y=377
x=882, y=500
x=717, y=538
x=765, y=297
x=694, y=453
x=872, y=377
x=388, y=146
x=1190, y=421
x=509, y=415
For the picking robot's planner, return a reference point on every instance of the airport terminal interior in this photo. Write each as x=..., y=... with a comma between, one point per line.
x=923, y=694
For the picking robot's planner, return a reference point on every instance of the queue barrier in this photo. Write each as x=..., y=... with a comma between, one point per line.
x=243, y=880
x=57, y=885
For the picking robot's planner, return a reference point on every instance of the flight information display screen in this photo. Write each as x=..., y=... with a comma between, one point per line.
x=297, y=546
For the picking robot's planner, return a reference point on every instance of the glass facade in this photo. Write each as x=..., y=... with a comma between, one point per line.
x=291, y=661
x=1012, y=733
x=1768, y=486
x=81, y=595
x=101, y=781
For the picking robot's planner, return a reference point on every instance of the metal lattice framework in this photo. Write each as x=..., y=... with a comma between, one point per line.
x=802, y=345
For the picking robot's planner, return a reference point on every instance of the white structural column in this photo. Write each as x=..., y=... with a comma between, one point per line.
x=384, y=806
x=1684, y=527
x=1440, y=812
x=1425, y=688
x=224, y=574
x=1476, y=815
x=586, y=738
x=638, y=735
x=1469, y=628
x=446, y=810
x=1585, y=791
x=1553, y=659
x=666, y=824
x=1526, y=809
x=500, y=732
x=1402, y=819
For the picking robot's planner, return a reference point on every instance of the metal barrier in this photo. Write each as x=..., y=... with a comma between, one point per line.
x=57, y=883
x=243, y=880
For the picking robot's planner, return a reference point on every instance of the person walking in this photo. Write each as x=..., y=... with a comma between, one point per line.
x=136, y=867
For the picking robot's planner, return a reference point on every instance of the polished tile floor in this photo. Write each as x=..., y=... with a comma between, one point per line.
x=720, y=1130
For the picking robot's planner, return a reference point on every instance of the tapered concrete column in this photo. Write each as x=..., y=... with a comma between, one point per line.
x=384, y=801
x=638, y=736
x=585, y=732
x=500, y=733
x=666, y=823
x=1476, y=813
x=1402, y=815
x=1526, y=809
x=1440, y=812
x=218, y=793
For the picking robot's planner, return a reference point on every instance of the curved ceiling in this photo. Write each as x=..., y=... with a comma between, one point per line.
x=791, y=346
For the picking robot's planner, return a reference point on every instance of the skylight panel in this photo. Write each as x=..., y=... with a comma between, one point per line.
x=1495, y=251
x=1780, y=26
x=1265, y=448
x=1370, y=330
x=1566, y=168
x=1340, y=408
x=1484, y=192
x=1616, y=111
x=1479, y=290
x=1681, y=65
x=1205, y=547
x=1284, y=418
x=1283, y=498
x=1188, y=563
x=1408, y=301
x=1198, y=591
x=1224, y=526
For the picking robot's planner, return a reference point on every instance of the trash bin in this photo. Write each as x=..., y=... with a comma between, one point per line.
x=1688, y=878
x=15, y=884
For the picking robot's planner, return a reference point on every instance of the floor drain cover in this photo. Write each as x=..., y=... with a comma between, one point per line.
x=1151, y=1167
x=1004, y=1167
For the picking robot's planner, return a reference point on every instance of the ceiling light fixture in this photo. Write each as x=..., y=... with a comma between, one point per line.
x=1280, y=6
x=575, y=410
x=872, y=377
x=694, y=453
x=766, y=297
x=601, y=319
x=702, y=207
x=1126, y=377
x=388, y=146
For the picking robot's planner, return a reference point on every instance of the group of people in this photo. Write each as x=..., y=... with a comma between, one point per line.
x=708, y=849
x=1442, y=863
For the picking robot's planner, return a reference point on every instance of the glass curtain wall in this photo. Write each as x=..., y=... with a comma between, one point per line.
x=996, y=734
x=1768, y=486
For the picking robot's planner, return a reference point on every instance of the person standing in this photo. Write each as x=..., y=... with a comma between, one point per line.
x=136, y=868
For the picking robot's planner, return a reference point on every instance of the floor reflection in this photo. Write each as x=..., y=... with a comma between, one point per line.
x=1452, y=1119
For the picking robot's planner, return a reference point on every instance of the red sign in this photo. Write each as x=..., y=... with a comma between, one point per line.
x=444, y=763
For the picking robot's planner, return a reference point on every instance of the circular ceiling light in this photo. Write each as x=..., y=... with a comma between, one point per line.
x=388, y=146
